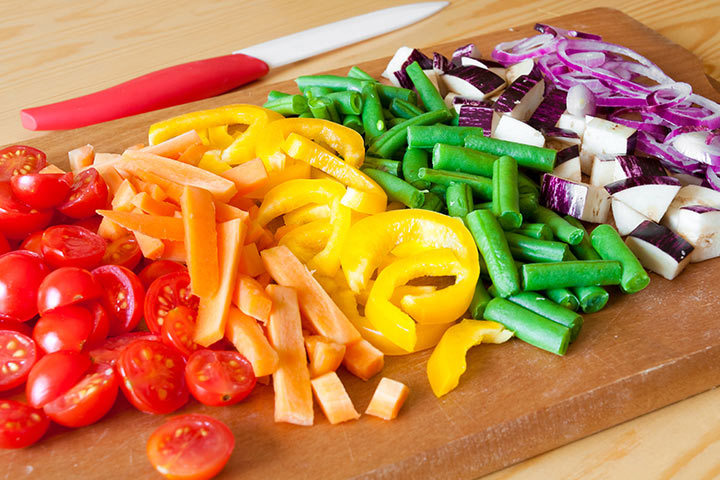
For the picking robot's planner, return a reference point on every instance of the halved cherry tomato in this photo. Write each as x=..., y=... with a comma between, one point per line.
x=124, y=252
x=21, y=276
x=64, y=328
x=72, y=246
x=88, y=193
x=4, y=244
x=42, y=190
x=55, y=374
x=157, y=269
x=122, y=296
x=17, y=356
x=20, y=424
x=178, y=329
x=101, y=324
x=66, y=286
x=165, y=293
x=191, y=446
x=91, y=223
x=219, y=378
x=33, y=243
x=17, y=219
x=7, y=323
x=88, y=401
x=110, y=350
x=153, y=377
x=20, y=160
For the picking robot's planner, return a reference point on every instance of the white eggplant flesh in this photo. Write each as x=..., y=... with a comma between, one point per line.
x=626, y=218
x=627, y=166
x=395, y=64
x=602, y=138
x=513, y=130
x=434, y=79
x=650, y=196
x=659, y=249
x=523, y=67
x=521, y=98
x=572, y=123
x=473, y=82
x=580, y=200
x=603, y=171
x=569, y=169
x=500, y=72
x=701, y=227
x=687, y=196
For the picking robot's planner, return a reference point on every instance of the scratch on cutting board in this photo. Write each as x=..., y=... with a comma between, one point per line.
x=349, y=445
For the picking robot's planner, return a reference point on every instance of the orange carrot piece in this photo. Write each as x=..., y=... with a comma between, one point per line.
x=174, y=147
x=171, y=189
x=255, y=231
x=213, y=311
x=242, y=203
x=112, y=178
x=147, y=204
x=282, y=230
x=164, y=228
x=137, y=146
x=81, y=157
x=250, y=262
x=152, y=248
x=105, y=158
x=291, y=380
x=248, y=176
x=389, y=397
x=266, y=240
x=181, y=173
x=152, y=189
x=122, y=201
x=110, y=230
x=363, y=360
x=325, y=355
x=251, y=299
x=52, y=168
x=263, y=279
x=333, y=399
x=201, y=240
x=174, y=251
x=250, y=340
x=317, y=306
x=193, y=153
x=225, y=212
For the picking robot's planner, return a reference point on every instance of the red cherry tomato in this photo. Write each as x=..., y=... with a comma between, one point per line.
x=124, y=252
x=153, y=377
x=21, y=275
x=122, y=297
x=157, y=269
x=7, y=323
x=53, y=375
x=66, y=286
x=191, y=446
x=178, y=329
x=42, y=190
x=88, y=193
x=17, y=219
x=165, y=293
x=110, y=350
x=100, y=322
x=20, y=424
x=88, y=401
x=17, y=356
x=219, y=378
x=33, y=243
x=4, y=244
x=72, y=246
x=64, y=328
x=91, y=223
x=20, y=160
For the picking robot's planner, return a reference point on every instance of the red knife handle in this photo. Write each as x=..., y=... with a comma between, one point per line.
x=164, y=88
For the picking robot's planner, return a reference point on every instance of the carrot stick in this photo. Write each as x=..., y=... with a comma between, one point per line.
x=251, y=298
x=81, y=157
x=201, y=240
x=225, y=212
x=193, y=154
x=250, y=262
x=164, y=228
x=333, y=398
x=150, y=247
x=122, y=201
x=172, y=190
x=147, y=204
x=110, y=230
x=248, y=176
x=363, y=360
x=389, y=397
x=174, y=251
x=174, y=147
x=250, y=340
x=325, y=355
x=111, y=176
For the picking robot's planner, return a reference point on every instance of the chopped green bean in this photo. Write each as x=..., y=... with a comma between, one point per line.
x=583, y=250
x=386, y=165
x=535, y=230
x=274, y=95
x=347, y=102
x=432, y=202
x=388, y=92
x=479, y=301
x=564, y=297
x=481, y=186
x=505, y=194
x=357, y=72
x=461, y=159
x=592, y=299
x=608, y=244
x=316, y=91
x=527, y=185
x=397, y=190
x=354, y=122
x=534, y=250
x=325, y=108
x=306, y=114
x=372, y=116
x=528, y=204
x=290, y=105
x=560, y=227
x=459, y=199
x=402, y=109
x=528, y=156
x=427, y=91
x=395, y=139
x=580, y=273
x=335, y=83
x=552, y=311
x=413, y=160
x=439, y=190
x=429, y=136
x=394, y=121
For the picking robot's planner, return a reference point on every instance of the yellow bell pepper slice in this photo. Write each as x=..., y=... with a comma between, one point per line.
x=447, y=361
x=292, y=171
x=307, y=213
x=327, y=261
x=293, y=194
x=307, y=240
x=219, y=137
x=212, y=162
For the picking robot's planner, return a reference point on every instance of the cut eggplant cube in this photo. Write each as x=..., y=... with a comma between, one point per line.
x=521, y=98
x=603, y=170
x=516, y=70
x=441, y=64
x=513, y=130
x=690, y=195
x=603, y=137
x=477, y=116
x=626, y=218
x=636, y=166
x=473, y=82
x=650, y=196
x=580, y=200
x=469, y=50
x=458, y=102
x=572, y=123
x=404, y=56
x=548, y=113
x=700, y=225
x=494, y=67
x=435, y=80
x=569, y=169
x=659, y=249
x=560, y=136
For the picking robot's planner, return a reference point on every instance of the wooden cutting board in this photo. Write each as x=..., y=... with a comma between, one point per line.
x=641, y=353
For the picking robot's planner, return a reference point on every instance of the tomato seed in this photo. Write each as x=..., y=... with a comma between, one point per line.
x=35, y=417
x=11, y=345
x=14, y=367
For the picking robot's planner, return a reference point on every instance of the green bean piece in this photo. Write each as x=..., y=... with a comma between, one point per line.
x=528, y=204
x=397, y=190
x=316, y=91
x=319, y=108
x=439, y=190
x=583, y=250
x=564, y=297
x=479, y=301
x=534, y=250
x=493, y=247
x=535, y=230
x=357, y=72
x=395, y=139
x=427, y=91
x=306, y=114
x=413, y=160
x=274, y=95
x=347, y=102
x=388, y=92
x=335, y=83
x=579, y=273
x=354, y=122
x=372, y=115
x=527, y=184
x=608, y=244
x=528, y=326
x=592, y=299
x=386, y=165
x=290, y=105
x=461, y=159
x=429, y=136
x=482, y=187
x=458, y=197
x=387, y=114
x=562, y=230
x=505, y=194
x=552, y=311
x=395, y=121
x=528, y=156
x=433, y=202
x=402, y=109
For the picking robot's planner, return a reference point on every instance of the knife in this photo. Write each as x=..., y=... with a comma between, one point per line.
x=206, y=78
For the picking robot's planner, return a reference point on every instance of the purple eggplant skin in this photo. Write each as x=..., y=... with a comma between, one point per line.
x=663, y=239
x=415, y=56
x=567, y=154
x=637, y=166
x=515, y=93
x=459, y=102
x=700, y=209
x=558, y=133
x=468, y=50
x=630, y=182
x=441, y=63
x=476, y=116
x=481, y=78
x=562, y=196
x=550, y=110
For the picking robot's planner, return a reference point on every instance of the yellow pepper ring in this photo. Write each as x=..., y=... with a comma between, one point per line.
x=293, y=194
x=305, y=241
x=327, y=261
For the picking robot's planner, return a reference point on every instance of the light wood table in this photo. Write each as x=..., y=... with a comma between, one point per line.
x=51, y=50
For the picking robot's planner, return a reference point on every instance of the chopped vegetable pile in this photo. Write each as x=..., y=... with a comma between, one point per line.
x=330, y=228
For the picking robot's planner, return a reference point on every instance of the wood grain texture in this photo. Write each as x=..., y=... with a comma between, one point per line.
x=641, y=353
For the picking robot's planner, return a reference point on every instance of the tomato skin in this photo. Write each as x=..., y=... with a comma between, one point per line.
x=122, y=296
x=157, y=269
x=55, y=374
x=21, y=276
x=219, y=378
x=100, y=322
x=7, y=323
x=124, y=252
x=33, y=243
x=190, y=447
x=165, y=293
x=72, y=246
x=17, y=219
x=153, y=378
x=64, y=328
x=20, y=424
x=20, y=159
x=18, y=354
x=66, y=286
x=91, y=223
x=42, y=190
x=88, y=193
x=88, y=401
x=109, y=351
x=4, y=245
x=178, y=329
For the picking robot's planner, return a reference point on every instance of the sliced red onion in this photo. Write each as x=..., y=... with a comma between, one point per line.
x=712, y=178
x=694, y=116
x=671, y=158
x=696, y=143
x=531, y=47
x=657, y=131
x=591, y=59
x=580, y=101
x=561, y=32
x=678, y=93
